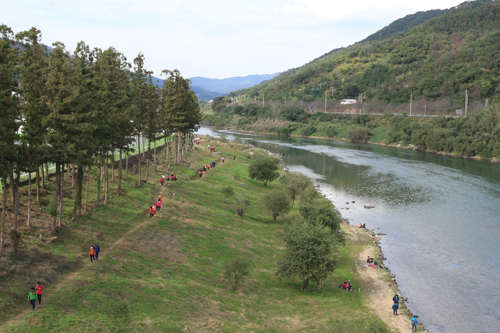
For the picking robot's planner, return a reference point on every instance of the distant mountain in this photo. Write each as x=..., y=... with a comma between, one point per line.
x=207, y=89
x=225, y=86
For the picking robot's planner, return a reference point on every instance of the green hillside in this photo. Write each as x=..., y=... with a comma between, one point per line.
x=437, y=60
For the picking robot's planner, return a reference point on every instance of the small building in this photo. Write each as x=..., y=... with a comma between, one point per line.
x=348, y=101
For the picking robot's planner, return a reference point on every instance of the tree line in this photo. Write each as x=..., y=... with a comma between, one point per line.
x=76, y=109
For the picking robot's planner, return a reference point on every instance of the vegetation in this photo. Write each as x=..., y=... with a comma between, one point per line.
x=264, y=169
x=236, y=271
x=167, y=273
x=294, y=184
x=311, y=254
x=276, y=202
x=474, y=135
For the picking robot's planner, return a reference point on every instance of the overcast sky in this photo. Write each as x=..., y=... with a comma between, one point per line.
x=211, y=38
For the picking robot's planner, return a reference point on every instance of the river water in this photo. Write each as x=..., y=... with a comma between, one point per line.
x=440, y=216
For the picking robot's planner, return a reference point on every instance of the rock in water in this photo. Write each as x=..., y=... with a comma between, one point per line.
x=367, y=206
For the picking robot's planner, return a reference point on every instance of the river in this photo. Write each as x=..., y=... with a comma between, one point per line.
x=440, y=216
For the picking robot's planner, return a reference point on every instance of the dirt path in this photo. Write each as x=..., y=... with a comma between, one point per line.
x=71, y=277
x=381, y=293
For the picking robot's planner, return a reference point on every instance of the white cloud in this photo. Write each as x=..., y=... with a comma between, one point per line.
x=212, y=38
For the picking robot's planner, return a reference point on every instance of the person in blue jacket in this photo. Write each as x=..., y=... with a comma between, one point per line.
x=414, y=323
x=395, y=307
x=396, y=298
x=97, y=249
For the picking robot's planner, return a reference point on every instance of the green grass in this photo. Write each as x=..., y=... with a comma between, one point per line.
x=167, y=276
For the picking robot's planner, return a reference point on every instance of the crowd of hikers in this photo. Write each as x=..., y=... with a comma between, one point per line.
x=207, y=167
x=169, y=177
x=155, y=207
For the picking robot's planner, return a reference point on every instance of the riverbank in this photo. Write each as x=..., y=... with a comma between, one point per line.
x=166, y=273
x=400, y=146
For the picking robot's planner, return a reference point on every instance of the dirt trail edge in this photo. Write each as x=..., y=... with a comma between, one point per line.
x=381, y=293
x=65, y=280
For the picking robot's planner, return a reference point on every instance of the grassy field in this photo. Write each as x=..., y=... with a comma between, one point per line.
x=166, y=274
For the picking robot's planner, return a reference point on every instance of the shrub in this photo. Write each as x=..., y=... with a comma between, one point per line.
x=277, y=202
x=307, y=130
x=331, y=132
x=236, y=271
x=240, y=207
x=118, y=311
x=236, y=176
x=360, y=134
x=227, y=191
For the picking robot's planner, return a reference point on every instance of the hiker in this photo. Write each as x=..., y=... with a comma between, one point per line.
x=174, y=177
x=362, y=225
x=151, y=212
x=92, y=254
x=223, y=158
x=208, y=166
x=97, y=249
x=32, y=297
x=204, y=168
x=349, y=285
x=154, y=209
x=163, y=176
x=158, y=205
x=161, y=181
x=369, y=260
x=234, y=158
x=396, y=298
x=168, y=177
x=395, y=307
x=413, y=322
x=199, y=173
x=160, y=199
x=39, y=292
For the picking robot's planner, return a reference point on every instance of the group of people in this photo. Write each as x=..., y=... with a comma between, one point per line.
x=207, y=167
x=395, y=307
x=372, y=263
x=155, y=207
x=212, y=149
x=94, y=252
x=36, y=293
x=346, y=285
x=170, y=176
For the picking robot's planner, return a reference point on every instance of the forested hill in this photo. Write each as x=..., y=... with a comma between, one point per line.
x=438, y=59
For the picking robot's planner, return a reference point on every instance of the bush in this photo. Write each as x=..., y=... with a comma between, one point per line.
x=118, y=311
x=236, y=271
x=360, y=134
x=307, y=130
x=52, y=209
x=227, y=191
x=240, y=207
x=331, y=132
x=236, y=176
x=308, y=194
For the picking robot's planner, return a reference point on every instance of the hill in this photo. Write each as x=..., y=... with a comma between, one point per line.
x=437, y=60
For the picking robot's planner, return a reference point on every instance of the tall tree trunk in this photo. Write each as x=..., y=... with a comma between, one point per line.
x=79, y=180
x=16, y=201
x=87, y=188
x=126, y=164
x=143, y=149
x=61, y=195
x=4, y=211
x=106, y=178
x=120, y=174
x=179, y=149
x=166, y=152
x=47, y=169
x=56, y=197
x=29, y=200
x=139, y=159
x=113, y=167
x=43, y=177
x=99, y=171
x=75, y=203
x=154, y=155
x=37, y=175
x=12, y=187
x=71, y=170
x=147, y=166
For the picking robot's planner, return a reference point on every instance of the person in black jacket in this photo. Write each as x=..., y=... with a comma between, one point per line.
x=97, y=249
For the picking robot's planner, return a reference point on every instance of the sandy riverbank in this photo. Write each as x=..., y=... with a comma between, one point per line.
x=382, y=283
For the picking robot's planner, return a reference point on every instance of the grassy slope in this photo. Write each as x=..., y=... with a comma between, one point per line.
x=167, y=275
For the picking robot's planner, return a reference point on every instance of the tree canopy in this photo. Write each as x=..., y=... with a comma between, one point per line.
x=264, y=169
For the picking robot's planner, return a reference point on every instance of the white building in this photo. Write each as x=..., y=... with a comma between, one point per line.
x=347, y=101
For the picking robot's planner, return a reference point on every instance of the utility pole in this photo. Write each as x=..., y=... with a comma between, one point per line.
x=486, y=104
x=285, y=99
x=411, y=101
x=425, y=109
x=466, y=101
x=332, y=90
x=326, y=94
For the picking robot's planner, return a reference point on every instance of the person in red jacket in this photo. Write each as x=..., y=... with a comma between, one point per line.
x=168, y=177
x=151, y=212
x=39, y=292
x=158, y=205
x=161, y=181
x=174, y=177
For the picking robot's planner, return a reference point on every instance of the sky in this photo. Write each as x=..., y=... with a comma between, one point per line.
x=211, y=38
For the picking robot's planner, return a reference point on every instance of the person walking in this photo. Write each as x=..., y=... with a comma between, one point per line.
x=39, y=292
x=234, y=158
x=92, y=254
x=395, y=308
x=396, y=298
x=162, y=180
x=174, y=177
x=158, y=205
x=97, y=250
x=32, y=297
x=223, y=158
x=414, y=322
x=151, y=212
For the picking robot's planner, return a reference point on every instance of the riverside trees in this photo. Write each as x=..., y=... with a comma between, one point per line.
x=76, y=110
